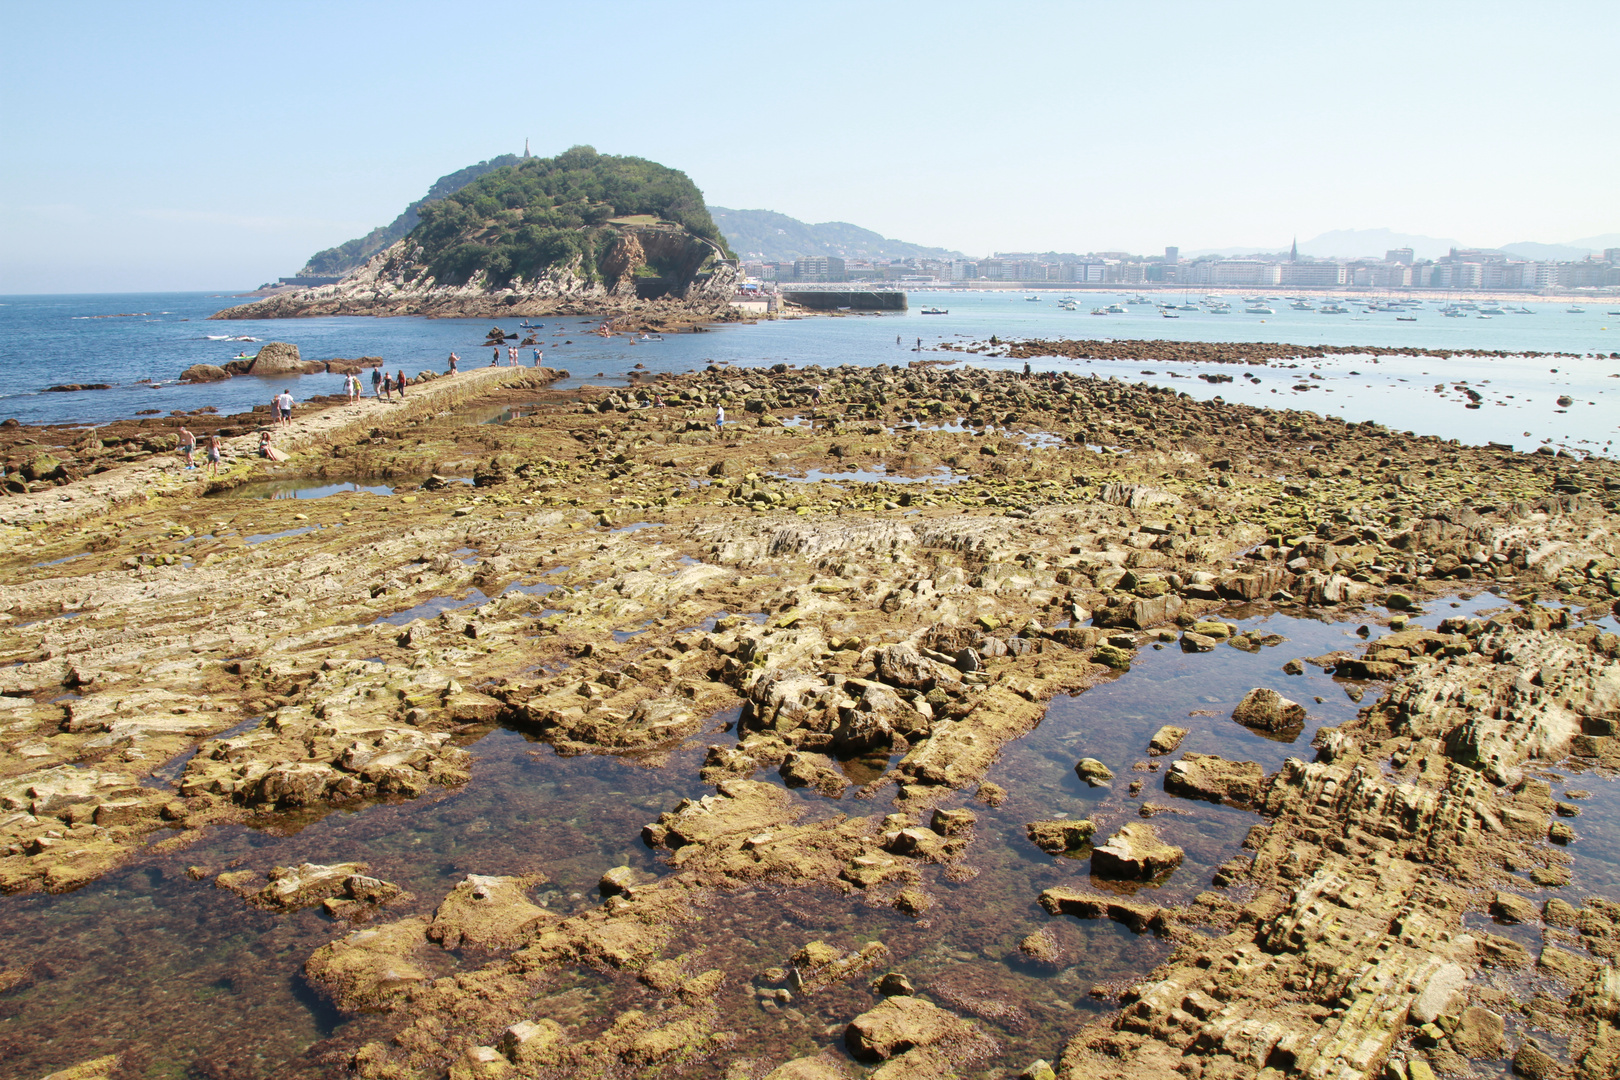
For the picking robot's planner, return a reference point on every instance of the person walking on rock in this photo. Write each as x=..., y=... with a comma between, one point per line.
x=188, y=446
x=376, y=382
x=400, y=382
x=284, y=402
x=720, y=419
x=213, y=455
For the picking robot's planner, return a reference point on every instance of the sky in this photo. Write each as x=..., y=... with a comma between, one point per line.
x=177, y=146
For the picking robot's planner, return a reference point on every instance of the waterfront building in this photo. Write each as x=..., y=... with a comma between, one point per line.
x=818, y=268
x=1399, y=255
x=1312, y=273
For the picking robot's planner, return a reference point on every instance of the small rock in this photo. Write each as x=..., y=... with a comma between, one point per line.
x=893, y=983
x=1166, y=739
x=1267, y=710
x=1093, y=772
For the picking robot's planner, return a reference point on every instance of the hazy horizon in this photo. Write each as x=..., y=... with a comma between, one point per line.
x=182, y=146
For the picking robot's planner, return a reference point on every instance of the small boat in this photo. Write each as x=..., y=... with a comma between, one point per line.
x=1482, y=316
x=1187, y=307
x=1099, y=311
x=1167, y=313
x=1032, y=299
x=1139, y=300
x=1301, y=305
x=1115, y=309
x=936, y=311
x=1612, y=313
x=1333, y=309
x=1406, y=318
x=1259, y=309
x=1576, y=310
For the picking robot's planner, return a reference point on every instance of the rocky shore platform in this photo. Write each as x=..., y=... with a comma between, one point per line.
x=901, y=566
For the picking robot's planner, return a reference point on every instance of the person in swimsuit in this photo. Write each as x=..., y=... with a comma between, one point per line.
x=213, y=455
x=454, y=360
x=188, y=447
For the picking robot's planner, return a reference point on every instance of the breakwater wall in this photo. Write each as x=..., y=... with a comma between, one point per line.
x=819, y=300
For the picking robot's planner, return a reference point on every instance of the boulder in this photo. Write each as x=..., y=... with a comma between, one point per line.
x=900, y=1023
x=1166, y=739
x=1135, y=853
x=1061, y=835
x=1266, y=710
x=1478, y=1034
x=370, y=970
x=905, y=667
x=292, y=888
x=489, y=912
x=204, y=373
x=296, y=783
x=277, y=358
x=1093, y=772
x=1141, y=614
x=1205, y=776
x=1512, y=908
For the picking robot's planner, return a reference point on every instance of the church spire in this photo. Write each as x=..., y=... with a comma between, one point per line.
x=525, y=147
x=1293, y=252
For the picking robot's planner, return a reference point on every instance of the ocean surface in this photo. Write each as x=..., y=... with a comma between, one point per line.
x=140, y=343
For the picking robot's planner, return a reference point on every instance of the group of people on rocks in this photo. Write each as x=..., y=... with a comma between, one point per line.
x=513, y=357
x=383, y=386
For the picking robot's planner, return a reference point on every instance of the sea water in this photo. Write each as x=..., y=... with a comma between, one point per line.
x=140, y=343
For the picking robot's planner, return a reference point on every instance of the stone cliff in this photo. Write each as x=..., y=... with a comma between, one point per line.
x=698, y=280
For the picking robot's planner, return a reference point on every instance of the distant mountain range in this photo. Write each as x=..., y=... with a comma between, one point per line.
x=771, y=237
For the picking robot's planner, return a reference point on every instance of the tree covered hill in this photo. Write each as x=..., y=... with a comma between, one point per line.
x=520, y=217
x=772, y=237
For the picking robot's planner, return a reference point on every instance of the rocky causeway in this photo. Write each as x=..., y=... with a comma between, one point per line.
x=834, y=666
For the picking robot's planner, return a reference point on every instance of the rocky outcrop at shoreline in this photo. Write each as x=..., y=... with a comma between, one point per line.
x=205, y=662
x=394, y=282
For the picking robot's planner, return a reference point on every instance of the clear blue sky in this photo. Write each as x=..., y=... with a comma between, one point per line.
x=217, y=145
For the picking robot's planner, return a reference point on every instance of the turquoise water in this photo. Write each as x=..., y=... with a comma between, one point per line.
x=51, y=340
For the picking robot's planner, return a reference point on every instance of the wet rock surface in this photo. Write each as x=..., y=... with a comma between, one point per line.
x=204, y=664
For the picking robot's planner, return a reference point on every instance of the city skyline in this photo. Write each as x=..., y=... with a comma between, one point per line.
x=209, y=147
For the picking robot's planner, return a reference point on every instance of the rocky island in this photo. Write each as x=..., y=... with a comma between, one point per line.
x=859, y=598
x=581, y=233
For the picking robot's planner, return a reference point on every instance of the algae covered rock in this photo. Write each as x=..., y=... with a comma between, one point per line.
x=371, y=970
x=1135, y=853
x=1059, y=836
x=1206, y=776
x=1093, y=772
x=1266, y=710
x=486, y=911
x=1166, y=739
x=901, y=1023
